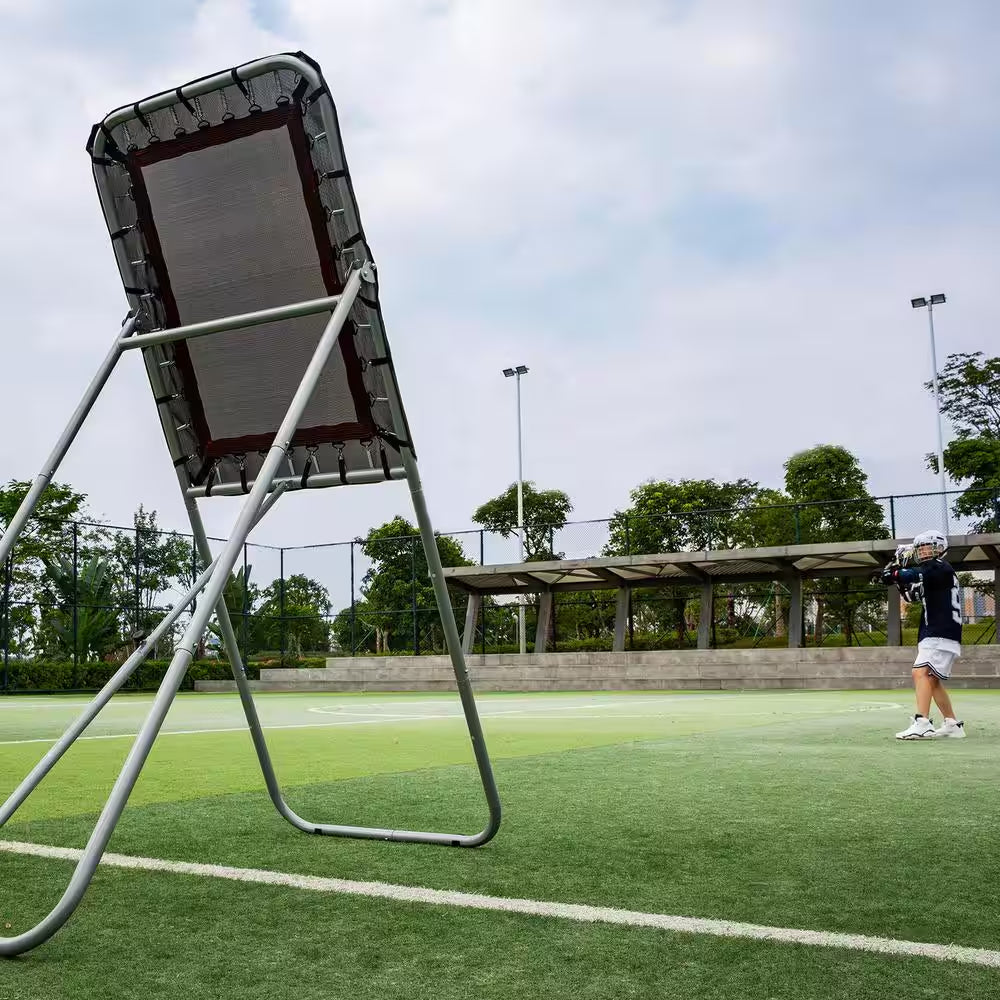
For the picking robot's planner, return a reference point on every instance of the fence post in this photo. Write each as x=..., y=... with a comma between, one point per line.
x=136, y=628
x=281, y=602
x=76, y=600
x=8, y=572
x=413, y=595
x=482, y=606
x=892, y=515
x=245, y=607
x=354, y=608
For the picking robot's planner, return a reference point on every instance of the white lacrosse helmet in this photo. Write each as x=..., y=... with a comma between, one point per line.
x=929, y=545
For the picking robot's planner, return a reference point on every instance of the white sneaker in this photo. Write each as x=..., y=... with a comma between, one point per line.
x=920, y=728
x=952, y=728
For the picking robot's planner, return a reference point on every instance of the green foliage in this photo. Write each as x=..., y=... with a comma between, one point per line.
x=977, y=461
x=969, y=386
x=688, y=514
x=545, y=511
x=299, y=615
x=832, y=488
x=85, y=623
x=240, y=596
x=149, y=562
x=397, y=582
x=694, y=514
x=61, y=675
x=44, y=538
x=771, y=519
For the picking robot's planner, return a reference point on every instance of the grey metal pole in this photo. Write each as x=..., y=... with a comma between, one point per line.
x=940, y=433
x=294, y=310
x=120, y=676
x=458, y=661
x=184, y=652
x=521, y=631
x=54, y=460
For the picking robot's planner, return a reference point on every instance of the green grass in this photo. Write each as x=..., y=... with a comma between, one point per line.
x=794, y=809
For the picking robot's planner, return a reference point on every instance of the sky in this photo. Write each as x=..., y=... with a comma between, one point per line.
x=699, y=223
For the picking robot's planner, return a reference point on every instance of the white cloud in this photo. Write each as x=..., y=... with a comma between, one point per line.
x=524, y=170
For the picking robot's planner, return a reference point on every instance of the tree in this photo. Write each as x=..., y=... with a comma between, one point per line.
x=148, y=563
x=397, y=586
x=832, y=490
x=49, y=534
x=969, y=388
x=835, y=506
x=300, y=617
x=669, y=516
x=769, y=520
x=678, y=516
x=84, y=626
x=545, y=512
x=240, y=596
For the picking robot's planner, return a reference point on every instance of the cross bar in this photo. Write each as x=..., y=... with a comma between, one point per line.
x=296, y=309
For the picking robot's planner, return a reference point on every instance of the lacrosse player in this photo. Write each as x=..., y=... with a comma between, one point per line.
x=922, y=574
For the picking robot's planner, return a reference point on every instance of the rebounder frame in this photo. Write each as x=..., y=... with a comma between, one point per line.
x=261, y=495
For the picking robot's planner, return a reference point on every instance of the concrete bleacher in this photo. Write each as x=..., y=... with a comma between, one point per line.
x=866, y=668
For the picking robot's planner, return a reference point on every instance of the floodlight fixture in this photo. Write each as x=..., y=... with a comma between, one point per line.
x=517, y=371
x=937, y=299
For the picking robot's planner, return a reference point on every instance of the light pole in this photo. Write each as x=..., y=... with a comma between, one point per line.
x=936, y=300
x=516, y=374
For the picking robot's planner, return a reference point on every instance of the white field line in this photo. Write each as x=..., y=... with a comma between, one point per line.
x=533, y=907
x=360, y=719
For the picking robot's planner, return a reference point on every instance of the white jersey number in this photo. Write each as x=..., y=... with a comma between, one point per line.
x=956, y=603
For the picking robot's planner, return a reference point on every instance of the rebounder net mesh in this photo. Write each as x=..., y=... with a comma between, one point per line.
x=230, y=200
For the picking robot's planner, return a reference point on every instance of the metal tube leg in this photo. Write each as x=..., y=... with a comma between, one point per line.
x=106, y=693
x=264, y=755
x=454, y=644
x=447, y=617
x=111, y=813
x=67, y=437
x=239, y=675
x=184, y=653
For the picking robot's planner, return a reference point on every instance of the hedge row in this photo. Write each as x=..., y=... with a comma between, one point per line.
x=26, y=675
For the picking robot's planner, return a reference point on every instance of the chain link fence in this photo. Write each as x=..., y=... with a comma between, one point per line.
x=86, y=593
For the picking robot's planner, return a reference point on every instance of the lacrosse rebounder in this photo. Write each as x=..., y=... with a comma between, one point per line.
x=254, y=302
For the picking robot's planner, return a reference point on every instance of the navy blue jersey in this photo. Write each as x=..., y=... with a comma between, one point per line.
x=935, y=585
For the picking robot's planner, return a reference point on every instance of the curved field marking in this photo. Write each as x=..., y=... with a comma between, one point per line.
x=532, y=907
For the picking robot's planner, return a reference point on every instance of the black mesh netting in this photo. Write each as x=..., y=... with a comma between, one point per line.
x=233, y=201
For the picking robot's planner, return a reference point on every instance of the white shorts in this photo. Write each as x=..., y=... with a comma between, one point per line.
x=939, y=655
